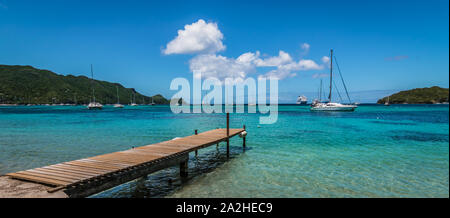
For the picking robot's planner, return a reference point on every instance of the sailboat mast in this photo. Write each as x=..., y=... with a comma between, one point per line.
x=117, y=90
x=320, y=92
x=92, y=83
x=331, y=74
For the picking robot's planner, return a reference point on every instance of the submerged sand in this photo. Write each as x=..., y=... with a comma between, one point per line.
x=13, y=188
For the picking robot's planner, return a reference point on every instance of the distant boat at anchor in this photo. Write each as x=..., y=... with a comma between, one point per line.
x=133, y=103
x=118, y=105
x=387, y=102
x=93, y=105
x=302, y=100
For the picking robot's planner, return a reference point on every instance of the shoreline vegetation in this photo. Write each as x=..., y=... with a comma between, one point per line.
x=26, y=85
x=431, y=95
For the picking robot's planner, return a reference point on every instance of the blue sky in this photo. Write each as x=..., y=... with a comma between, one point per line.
x=381, y=46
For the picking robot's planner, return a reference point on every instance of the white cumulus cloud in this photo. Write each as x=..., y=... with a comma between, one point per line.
x=212, y=65
x=325, y=59
x=205, y=41
x=282, y=58
x=217, y=66
x=289, y=69
x=198, y=37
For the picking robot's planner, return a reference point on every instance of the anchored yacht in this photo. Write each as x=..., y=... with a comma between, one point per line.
x=329, y=105
x=93, y=105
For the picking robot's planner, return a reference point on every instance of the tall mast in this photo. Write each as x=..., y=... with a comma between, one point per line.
x=331, y=74
x=320, y=92
x=92, y=83
x=117, y=90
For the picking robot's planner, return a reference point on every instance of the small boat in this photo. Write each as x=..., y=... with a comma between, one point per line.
x=302, y=100
x=93, y=105
x=118, y=105
x=387, y=102
x=329, y=105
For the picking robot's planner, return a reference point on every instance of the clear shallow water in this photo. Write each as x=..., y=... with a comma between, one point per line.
x=377, y=151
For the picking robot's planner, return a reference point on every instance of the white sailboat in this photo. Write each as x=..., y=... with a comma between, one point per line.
x=118, y=105
x=332, y=106
x=133, y=103
x=387, y=102
x=93, y=105
x=153, y=103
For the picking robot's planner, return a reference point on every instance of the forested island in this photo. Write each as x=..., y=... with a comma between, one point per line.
x=432, y=95
x=28, y=85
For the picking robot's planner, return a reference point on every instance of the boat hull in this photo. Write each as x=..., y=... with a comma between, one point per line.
x=334, y=109
x=95, y=108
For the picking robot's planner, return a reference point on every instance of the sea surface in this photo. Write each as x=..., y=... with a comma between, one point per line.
x=376, y=151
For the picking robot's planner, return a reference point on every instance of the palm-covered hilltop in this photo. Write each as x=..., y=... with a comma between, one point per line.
x=28, y=85
x=430, y=95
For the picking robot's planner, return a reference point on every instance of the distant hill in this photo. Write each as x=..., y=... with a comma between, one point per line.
x=28, y=85
x=430, y=95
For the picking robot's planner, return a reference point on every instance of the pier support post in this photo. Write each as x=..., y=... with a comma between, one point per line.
x=184, y=169
x=243, y=140
x=228, y=135
x=196, y=151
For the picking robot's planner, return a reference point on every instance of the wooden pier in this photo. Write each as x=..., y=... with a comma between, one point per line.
x=84, y=177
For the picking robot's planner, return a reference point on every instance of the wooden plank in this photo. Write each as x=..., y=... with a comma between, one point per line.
x=25, y=173
x=57, y=175
x=58, y=169
x=130, y=158
x=99, y=164
x=164, y=147
x=111, y=163
x=89, y=166
x=80, y=168
x=61, y=172
x=95, y=166
x=143, y=152
x=32, y=173
x=37, y=179
x=122, y=160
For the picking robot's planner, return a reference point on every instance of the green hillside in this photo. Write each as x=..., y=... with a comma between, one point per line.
x=430, y=95
x=28, y=85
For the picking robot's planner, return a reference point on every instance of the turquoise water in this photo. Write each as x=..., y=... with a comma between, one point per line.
x=377, y=151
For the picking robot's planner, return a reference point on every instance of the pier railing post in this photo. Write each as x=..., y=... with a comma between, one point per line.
x=228, y=135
